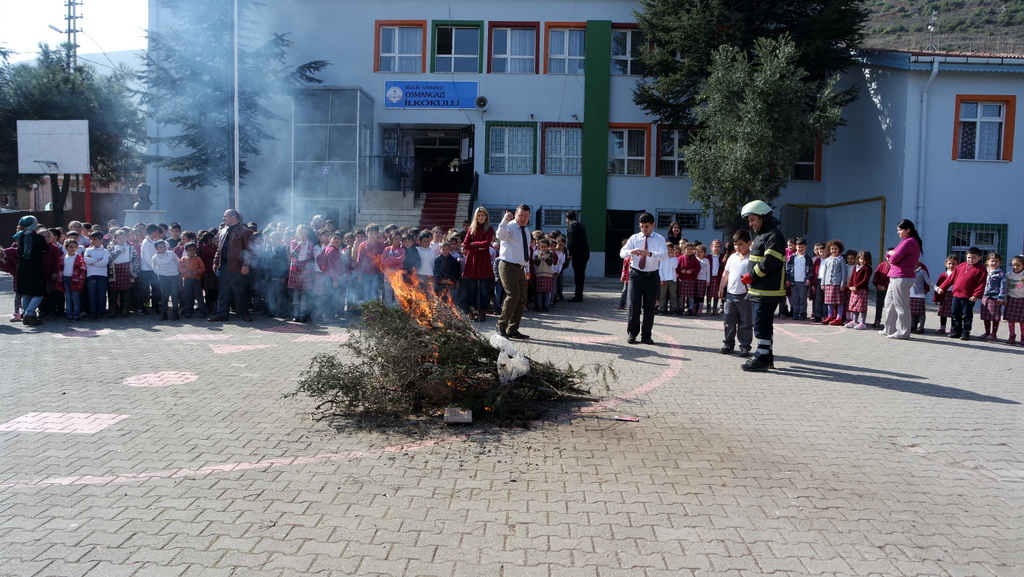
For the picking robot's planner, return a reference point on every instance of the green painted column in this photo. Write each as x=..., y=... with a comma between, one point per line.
x=596, y=111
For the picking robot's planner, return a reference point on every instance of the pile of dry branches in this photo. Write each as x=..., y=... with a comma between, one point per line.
x=400, y=363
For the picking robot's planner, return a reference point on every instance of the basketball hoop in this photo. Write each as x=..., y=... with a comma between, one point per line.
x=48, y=166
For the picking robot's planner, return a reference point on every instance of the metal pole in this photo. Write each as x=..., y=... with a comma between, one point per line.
x=237, y=139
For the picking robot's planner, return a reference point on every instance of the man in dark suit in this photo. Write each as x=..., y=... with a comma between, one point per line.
x=578, y=250
x=231, y=265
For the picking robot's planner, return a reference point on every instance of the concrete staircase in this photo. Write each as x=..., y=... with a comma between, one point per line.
x=391, y=207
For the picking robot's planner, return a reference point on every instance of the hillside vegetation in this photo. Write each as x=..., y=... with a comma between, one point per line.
x=970, y=25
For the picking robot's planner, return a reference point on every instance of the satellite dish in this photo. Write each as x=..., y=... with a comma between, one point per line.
x=481, y=103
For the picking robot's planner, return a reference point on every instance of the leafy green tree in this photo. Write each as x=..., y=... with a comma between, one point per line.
x=190, y=88
x=755, y=126
x=50, y=89
x=684, y=35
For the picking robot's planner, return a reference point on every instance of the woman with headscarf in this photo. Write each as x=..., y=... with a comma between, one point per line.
x=902, y=274
x=31, y=275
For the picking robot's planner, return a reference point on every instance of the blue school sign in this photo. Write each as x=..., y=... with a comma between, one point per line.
x=430, y=94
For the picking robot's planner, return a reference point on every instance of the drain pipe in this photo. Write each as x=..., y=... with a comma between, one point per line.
x=919, y=216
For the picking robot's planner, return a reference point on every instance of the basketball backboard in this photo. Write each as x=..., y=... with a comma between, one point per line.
x=53, y=147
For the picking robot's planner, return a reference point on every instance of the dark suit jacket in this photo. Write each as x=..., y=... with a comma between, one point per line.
x=235, y=240
x=576, y=240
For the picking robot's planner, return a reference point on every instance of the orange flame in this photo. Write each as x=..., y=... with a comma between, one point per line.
x=417, y=298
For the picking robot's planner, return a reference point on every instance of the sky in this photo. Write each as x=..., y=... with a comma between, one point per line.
x=107, y=25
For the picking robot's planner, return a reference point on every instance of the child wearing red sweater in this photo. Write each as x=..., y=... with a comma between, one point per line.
x=968, y=283
x=859, y=291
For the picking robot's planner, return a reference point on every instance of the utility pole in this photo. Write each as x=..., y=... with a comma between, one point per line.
x=71, y=29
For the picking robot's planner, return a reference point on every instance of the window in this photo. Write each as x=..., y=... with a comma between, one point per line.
x=627, y=150
x=987, y=237
x=562, y=146
x=513, y=48
x=400, y=46
x=554, y=216
x=457, y=47
x=510, y=147
x=566, y=50
x=670, y=156
x=496, y=213
x=687, y=219
x=626, y=48
x=809, y=165
x=984, y=127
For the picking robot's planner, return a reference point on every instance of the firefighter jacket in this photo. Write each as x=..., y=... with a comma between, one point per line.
x=768, y=264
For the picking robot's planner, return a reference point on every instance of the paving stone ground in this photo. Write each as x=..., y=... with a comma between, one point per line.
x=135, y=447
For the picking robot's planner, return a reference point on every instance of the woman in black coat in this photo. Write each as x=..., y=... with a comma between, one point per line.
x=31, y=274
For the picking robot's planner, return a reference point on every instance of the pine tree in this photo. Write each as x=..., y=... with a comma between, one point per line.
x=190, y=88
x=684, y=35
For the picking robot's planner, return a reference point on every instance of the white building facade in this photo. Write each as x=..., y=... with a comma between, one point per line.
x=531, y=102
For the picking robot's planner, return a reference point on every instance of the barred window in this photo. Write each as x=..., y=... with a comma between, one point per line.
x=554, y=216
x=510, y=147
x=987, y=237
x=687, y=219
x=563, y=148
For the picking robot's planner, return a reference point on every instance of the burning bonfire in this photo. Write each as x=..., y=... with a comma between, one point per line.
x=425, y=355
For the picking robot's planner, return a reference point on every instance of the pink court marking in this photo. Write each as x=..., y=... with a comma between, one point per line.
x=161, y=379
x=224, y=349
x=285, y=329
x=77, y=423
x=199, y=337
x=336, y=338
x=86, y=334
x=674, y=366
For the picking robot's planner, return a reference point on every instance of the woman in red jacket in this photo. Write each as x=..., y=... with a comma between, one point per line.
x=477, y=269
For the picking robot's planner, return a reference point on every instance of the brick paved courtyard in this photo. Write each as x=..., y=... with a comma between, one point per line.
x=142, y=448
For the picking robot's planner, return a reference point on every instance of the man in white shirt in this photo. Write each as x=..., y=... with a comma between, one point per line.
x=646, y=250
x=513, y=269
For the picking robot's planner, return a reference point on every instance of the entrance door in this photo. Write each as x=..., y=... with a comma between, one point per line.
x=444, y=158
x=620, y=225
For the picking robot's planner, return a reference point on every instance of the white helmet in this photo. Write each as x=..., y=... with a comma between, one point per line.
x=758, y=207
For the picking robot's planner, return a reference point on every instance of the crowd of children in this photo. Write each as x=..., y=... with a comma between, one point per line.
x=836, y=282
x=299, y=274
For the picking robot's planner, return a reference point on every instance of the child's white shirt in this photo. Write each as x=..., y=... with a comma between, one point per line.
x=667, y=269
x=96, y=259
x=69, y=264
x=427, y=257
x=705, y=270
x=737, y=266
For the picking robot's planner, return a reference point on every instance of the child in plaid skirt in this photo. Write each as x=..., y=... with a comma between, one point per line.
x=995, y=296
x=687, y=282
x=859, y=291
x=1015, y=298
x=945, y=300
x=922, y=284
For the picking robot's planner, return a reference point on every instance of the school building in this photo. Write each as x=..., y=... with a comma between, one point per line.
x=431, y=108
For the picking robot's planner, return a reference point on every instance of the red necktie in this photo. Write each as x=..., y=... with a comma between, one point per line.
x=643, y=257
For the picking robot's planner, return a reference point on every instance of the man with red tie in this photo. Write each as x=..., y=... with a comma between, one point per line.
x=646, y=249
